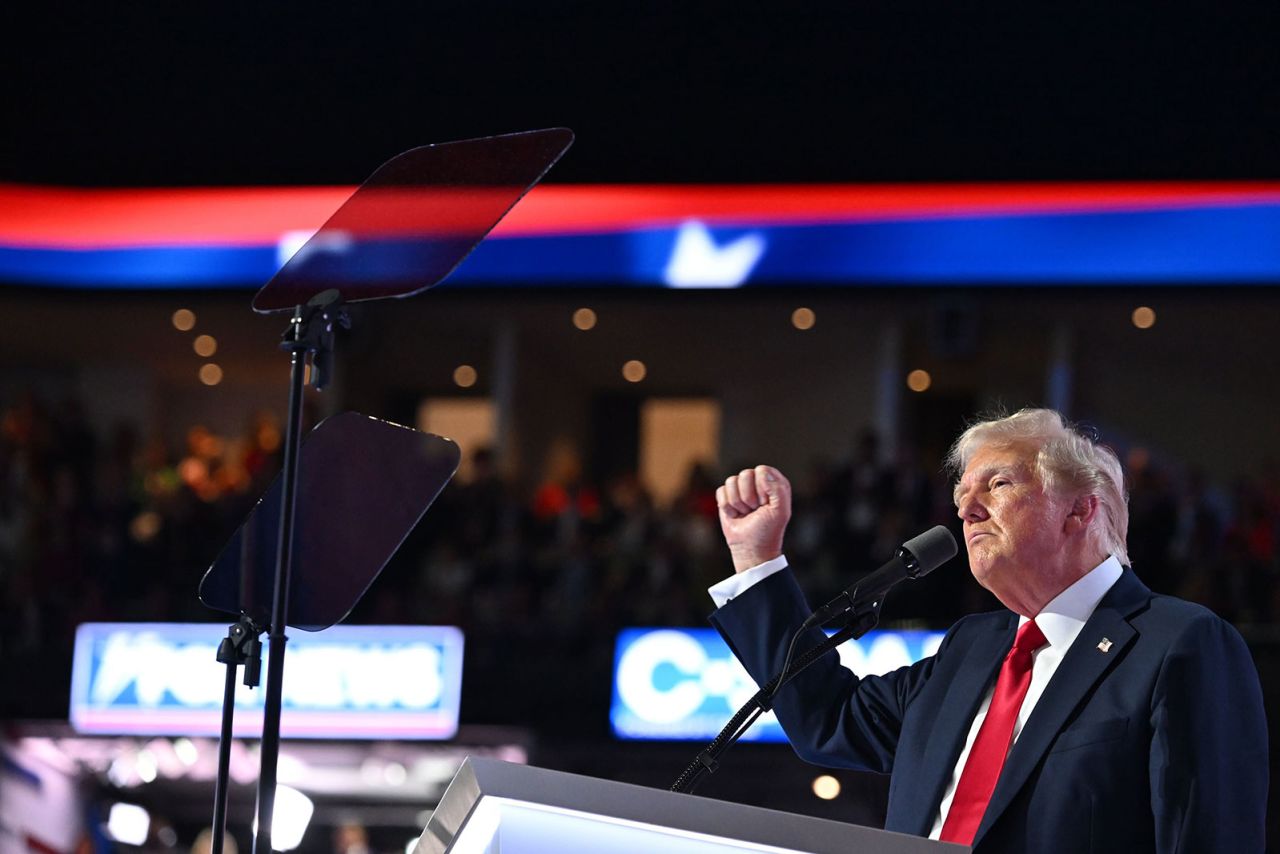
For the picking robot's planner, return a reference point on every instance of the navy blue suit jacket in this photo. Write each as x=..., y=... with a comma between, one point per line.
x=1158, y=744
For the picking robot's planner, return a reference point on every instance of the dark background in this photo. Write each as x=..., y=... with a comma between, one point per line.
x=117, y=94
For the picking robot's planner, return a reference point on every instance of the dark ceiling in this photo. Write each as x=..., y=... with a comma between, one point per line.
x=178, y=93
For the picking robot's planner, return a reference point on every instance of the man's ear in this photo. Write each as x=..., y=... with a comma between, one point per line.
x=1083, y=511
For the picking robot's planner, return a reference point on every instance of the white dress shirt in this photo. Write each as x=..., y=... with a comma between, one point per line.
x=1061, y=621
x=736, y=584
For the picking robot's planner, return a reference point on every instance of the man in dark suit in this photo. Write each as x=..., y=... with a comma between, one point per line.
x=1093, y=716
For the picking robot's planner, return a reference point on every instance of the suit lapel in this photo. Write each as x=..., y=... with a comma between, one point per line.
x=979, y=663
x=1084, y=664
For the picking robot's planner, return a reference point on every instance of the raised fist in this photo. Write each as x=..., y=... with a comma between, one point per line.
x=755, y=506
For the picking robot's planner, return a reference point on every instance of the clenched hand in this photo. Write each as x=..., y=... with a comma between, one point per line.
x=755, y=506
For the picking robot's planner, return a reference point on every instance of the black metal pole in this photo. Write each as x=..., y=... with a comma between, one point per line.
x=224, y=761
x=270, y=749
x=708, y=760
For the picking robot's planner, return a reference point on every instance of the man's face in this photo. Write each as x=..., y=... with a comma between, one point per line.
x=1013, y=527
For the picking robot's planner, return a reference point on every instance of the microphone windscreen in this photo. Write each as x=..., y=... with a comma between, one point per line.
x=933, y=548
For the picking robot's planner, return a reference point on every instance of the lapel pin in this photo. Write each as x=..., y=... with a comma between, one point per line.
x=1104, y=645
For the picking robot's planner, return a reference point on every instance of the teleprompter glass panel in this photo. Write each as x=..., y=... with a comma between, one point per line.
x=362, y=486
x=415, y=219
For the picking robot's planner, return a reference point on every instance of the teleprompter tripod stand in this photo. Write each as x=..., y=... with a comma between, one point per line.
x=408, y=226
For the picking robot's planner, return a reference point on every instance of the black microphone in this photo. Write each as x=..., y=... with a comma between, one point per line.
x=915, y=558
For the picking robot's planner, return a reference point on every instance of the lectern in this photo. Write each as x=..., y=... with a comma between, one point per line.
x=494, y=807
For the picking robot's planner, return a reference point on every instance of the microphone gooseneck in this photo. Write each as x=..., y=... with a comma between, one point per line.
x=915, y=558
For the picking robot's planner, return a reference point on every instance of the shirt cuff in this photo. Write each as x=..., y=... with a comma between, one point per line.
x=735, y=585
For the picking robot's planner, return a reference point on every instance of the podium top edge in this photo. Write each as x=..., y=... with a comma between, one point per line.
x=479, y=778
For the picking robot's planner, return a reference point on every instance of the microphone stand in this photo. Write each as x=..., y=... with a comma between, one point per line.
x=240, y=646
x=860, y=622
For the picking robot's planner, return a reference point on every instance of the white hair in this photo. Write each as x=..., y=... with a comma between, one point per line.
x=1068, y=461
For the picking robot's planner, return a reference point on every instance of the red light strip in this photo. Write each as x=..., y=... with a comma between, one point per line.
x=47, y=217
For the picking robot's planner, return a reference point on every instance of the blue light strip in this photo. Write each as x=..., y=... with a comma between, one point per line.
x=1206, y=245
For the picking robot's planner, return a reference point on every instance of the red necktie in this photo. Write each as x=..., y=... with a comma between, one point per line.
x=986, y=758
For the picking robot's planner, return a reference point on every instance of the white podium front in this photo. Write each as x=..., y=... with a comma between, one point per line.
x=494, y=807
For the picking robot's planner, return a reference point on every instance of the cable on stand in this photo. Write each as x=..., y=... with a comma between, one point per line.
x=708, y=760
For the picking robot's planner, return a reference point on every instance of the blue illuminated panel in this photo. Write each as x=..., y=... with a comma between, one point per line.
x=686, y=684
x=345, y=682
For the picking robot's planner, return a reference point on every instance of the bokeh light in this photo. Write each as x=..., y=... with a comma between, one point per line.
x=584, y=319
x=184, y=320
x=803, y=318
x=210, y=373
x=919, y=380
x=205, y=345
x=826, y=787
x=634, y=371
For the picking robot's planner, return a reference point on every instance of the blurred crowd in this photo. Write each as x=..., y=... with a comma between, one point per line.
x=115, y=526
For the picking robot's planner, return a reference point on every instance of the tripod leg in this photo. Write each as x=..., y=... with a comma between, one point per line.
x=224, y=760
